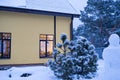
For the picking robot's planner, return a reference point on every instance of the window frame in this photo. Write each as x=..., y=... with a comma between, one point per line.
x=46, y=49
x=2, y=45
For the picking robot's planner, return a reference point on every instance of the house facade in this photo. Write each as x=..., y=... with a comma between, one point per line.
x=28, y=35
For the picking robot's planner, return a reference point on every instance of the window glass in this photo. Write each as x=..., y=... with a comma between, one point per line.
x=50, y=37
x=6, y=36
x=42, y=49
x=42, y=37
x=0, y=36
x=0, y=48
x=49, y=48
x=6, y=48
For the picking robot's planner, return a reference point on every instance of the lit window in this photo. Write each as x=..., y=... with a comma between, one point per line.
x=46, y=45
x=5, y=45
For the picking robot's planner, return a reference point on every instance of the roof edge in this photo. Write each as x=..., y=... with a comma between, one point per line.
x=34, y=11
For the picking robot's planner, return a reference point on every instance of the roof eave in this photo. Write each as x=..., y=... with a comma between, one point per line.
x=33, y=11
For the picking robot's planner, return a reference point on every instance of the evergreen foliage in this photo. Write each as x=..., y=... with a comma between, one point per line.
x=101, y=18
x=74, y=59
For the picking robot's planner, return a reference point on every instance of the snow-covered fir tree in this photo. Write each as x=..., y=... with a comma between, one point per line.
x=100, y=19
x=74, y=59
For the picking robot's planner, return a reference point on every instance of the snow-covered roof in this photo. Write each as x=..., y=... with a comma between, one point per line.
x=59, y=6
x=13, y=3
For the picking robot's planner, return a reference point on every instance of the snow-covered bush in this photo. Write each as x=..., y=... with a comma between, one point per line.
x=74, y=59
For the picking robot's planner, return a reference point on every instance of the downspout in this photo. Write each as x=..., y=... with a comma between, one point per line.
x=54, y=31
x=71, y=28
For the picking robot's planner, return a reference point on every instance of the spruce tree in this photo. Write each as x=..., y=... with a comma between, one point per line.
x=100, y=18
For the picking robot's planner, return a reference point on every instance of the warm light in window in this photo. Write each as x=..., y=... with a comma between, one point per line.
x=5, y=45
x=46, y=45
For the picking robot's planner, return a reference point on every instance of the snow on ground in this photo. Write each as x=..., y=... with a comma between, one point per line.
x=38, y=73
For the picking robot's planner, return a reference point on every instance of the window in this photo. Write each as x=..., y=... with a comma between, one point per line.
x=5, y=45
x=46, y=45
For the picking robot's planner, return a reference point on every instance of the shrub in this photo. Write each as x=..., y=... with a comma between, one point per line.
x=74, y=59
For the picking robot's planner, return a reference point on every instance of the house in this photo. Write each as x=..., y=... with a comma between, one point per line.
x=29, y=32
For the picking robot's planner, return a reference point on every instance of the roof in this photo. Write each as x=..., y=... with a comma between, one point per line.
x=48, y=7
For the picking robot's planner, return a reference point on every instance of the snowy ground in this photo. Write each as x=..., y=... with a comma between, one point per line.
x=38, y=73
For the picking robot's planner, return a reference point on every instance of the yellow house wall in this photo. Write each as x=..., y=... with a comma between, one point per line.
x=25, y=29
x=63, y=26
